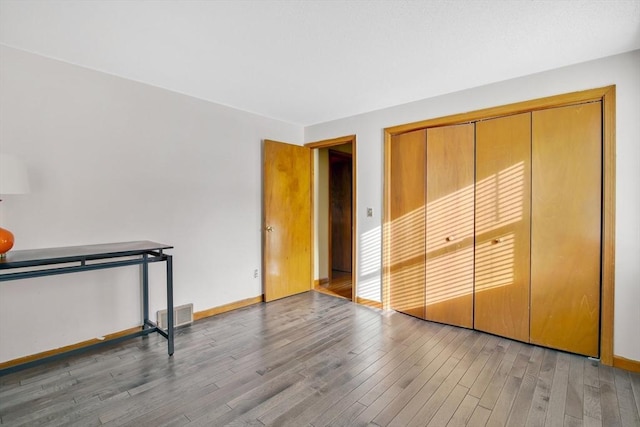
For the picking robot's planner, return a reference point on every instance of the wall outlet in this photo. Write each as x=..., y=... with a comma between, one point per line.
x=255, y=273
x=370, y=212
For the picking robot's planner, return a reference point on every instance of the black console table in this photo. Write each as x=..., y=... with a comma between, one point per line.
x=46, y=262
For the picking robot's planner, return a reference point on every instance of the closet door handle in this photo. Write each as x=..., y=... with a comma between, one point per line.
x=498, y=240
x=450, y=238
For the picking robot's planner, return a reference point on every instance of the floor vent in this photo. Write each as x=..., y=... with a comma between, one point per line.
x=182, y=315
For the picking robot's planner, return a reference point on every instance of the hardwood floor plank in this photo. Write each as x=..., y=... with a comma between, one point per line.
x=558, y=396
x=438, y=397
x=591, y=376
x=609, y=397
x=464, y=411
x=522, y=404
x=275, y=409
x=574, y=404
x=542, y=392
x=346, y=417
x=492, y=392
x=606, y=374
x=374, y=374
x=383, y=393
x=502, y=408
x=489, y=369
x=591, y=422
x=479, y=417
x=84, y=414
x=332, y=399
x=592, y=408
x=626, y=402
x=418, y=376
x=39, y=415
x=420, y=349
x=635, y=386
x=445, y=411
x=411, y=410
x=570, y=421
x=476, y=368
x=522, y=361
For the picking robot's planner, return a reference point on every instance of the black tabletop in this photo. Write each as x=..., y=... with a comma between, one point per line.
x=20, y=258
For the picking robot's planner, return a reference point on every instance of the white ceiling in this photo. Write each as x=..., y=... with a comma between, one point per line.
x=308, y=62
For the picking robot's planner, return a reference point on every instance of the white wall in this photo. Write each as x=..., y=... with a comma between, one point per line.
x=621, y=70
x=114, y=160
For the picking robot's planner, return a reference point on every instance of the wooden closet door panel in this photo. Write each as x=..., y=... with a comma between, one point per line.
x=449, y=224
x=407, y=226
x=566, y=228
x=502, y=230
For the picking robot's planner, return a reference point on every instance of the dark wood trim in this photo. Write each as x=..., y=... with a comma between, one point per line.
x=608, y=225
x=228, y=307
x=506, y=110
x=331, y=142
x=369, y=302
x=386, y=224
x=626, y=364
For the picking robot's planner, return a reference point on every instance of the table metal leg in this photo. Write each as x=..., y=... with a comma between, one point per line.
x=170, y=303
x=145, y=290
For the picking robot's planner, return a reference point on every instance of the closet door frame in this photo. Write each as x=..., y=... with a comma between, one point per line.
x=607, y=96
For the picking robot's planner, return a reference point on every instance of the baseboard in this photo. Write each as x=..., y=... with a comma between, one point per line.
x=369, y=302
x=320, y=282
x=227, y=307
x=65, y=349
x=626, y=364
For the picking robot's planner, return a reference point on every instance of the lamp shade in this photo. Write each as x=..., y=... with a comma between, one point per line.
x=13, y=175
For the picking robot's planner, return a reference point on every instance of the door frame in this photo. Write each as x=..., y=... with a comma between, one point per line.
x=607, y=95
x=330, y=143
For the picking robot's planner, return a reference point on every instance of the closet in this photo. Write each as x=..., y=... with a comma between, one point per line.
x=496, y=224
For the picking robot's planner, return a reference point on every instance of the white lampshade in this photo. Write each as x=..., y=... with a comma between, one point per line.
x=13, y=175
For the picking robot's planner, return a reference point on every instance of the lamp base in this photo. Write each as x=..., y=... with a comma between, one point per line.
x=6, y=242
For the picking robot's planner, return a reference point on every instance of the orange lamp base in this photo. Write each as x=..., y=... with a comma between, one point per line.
x=6, y=242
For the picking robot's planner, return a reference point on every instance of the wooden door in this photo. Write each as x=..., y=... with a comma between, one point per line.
x=449, y=225
x=502, y=230
x=340, y=218
x=566, y=227
x=407, y=222
x=287, y=235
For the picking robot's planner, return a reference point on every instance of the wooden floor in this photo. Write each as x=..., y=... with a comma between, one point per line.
x=317, y=360
x=338, y=285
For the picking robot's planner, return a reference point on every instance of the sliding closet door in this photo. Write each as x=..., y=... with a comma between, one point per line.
x=407, y=224
x=449, y=223
x=503, y=221
x=566, y=228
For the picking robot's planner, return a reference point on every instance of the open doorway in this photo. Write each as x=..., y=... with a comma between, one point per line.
x=334, y=217
x=340, y=222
